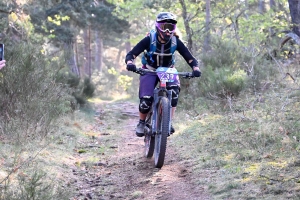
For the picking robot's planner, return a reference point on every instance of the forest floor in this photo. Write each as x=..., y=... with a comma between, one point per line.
x=247, y=152
x=110, y=162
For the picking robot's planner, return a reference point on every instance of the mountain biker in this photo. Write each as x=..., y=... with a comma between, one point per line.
x=165, y=35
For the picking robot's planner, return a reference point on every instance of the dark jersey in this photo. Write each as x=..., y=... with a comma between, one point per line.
x=163, y=56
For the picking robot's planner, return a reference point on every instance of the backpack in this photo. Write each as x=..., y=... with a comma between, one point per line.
x=148, y=55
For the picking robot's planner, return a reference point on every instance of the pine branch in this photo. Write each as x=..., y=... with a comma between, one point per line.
x=288, y=36
x=6, y=12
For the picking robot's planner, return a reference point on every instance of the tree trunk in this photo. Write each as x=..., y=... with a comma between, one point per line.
x=247, y=7
x=187, y=25
x=86, y=52
x=294, y=6
x=98, y=51
x=261, y=6
x=70, y=58
x=207, y=39
x=128, y=45
x=272, y=4
x=90, y=54
x=119, y=63
x=76, y=58
x=272, y=7
x=101, y=53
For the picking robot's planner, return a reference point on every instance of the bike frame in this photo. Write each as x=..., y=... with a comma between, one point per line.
x=159, y=92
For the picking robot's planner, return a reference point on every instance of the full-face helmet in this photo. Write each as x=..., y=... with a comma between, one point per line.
x=165, y=22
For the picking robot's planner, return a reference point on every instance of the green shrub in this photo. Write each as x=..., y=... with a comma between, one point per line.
x=227, y=69
x=235, y=82
x=111, y=82
x=84, y=91
x=81, y=90
x=68, y=78
x=35, y=184
x=223, y=54
x=132, y=87
x=88, y=88
x=219, y=82
x=30, y=98
x=125, y=82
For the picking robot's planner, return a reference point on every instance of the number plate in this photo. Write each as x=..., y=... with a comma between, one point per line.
x=166, y=74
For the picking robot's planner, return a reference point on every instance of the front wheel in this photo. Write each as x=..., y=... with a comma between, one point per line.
x=163, y=121
x=149, y=139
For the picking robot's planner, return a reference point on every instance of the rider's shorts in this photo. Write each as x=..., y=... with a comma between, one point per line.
x=148, y=83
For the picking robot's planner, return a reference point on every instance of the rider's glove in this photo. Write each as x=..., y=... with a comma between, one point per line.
x=131, y=67
x=196, y=73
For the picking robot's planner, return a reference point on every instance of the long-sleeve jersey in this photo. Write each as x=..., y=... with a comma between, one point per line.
x=144, y=44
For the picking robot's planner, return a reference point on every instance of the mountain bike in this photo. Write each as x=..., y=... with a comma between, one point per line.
x=158, y=120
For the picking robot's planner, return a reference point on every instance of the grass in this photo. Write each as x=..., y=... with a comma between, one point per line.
x=38, y=170
x=137, y=194
x=249, y=153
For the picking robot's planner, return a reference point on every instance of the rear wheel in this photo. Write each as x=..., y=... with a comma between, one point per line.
x=163, y=121
x=149, y=139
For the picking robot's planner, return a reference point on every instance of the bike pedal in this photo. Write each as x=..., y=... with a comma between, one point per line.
x=147, y=130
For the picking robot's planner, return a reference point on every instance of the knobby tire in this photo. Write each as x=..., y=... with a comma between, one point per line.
x=149, y=139
x=163, y=120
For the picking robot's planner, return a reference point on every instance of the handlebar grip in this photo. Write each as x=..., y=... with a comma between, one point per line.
x=186, y=75
x=143, y=71
x=140, y=71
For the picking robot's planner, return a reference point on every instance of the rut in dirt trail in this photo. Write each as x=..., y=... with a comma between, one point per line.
x=127, y=174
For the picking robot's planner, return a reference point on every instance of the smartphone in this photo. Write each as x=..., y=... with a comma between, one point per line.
x=1, y=51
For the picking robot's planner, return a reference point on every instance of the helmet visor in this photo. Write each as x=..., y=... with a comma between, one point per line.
x=166, y=27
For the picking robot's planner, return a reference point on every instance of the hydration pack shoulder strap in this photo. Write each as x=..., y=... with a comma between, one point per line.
x=152, y=41
x=152, y=35
x=174, y=44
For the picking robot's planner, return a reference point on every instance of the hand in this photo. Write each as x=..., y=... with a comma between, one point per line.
x=196, y=72
x=2, y=64
x=131, y=67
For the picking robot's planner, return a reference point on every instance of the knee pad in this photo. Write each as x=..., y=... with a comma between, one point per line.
x=145, y=104
x=175, y=89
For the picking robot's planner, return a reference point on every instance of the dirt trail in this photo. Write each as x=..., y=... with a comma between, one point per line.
x=127, y=174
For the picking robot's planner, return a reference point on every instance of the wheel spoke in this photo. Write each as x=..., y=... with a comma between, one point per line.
x=163, y=120
x=149, y=139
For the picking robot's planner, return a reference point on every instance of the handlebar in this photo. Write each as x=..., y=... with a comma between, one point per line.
x=143, y=71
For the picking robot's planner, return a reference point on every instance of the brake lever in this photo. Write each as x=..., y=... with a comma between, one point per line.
x=141, y=72
x=188, y=76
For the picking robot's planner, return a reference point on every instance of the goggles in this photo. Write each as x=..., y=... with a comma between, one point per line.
x=166, y=27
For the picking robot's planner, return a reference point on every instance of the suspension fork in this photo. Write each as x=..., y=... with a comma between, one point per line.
x=157, y=96
x=170, y=108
